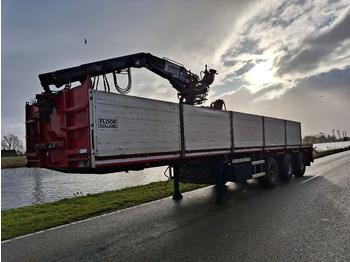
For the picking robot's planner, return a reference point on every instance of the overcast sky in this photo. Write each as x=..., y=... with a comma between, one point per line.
x=285, y=59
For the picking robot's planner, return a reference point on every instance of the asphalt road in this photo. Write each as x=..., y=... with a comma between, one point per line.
x=306, y=219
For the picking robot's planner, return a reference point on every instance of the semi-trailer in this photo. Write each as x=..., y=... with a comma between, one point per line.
x=82, y=129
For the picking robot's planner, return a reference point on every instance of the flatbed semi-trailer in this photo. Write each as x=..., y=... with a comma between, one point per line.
x=85, y=130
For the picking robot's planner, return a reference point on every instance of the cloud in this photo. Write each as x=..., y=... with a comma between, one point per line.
x=278, y=47
x=315, y=51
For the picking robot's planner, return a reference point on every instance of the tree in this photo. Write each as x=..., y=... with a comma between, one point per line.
x=333, y=133
x=11, y=142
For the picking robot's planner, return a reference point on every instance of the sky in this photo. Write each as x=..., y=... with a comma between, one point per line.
x=284, y=59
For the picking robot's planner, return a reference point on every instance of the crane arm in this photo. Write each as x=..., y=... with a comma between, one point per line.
x=191, y=89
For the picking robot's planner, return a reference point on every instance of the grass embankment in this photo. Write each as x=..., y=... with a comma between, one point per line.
x=10, y=162
x=25, y=220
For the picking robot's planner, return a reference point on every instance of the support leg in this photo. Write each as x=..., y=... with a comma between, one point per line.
x=177, y=195
x=220, y=187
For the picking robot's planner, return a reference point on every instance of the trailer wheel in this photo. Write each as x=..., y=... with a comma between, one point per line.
x=287, y=167
x=300, y=165
x=269, y=180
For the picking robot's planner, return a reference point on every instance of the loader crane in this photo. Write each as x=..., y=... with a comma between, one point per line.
x=191, y=89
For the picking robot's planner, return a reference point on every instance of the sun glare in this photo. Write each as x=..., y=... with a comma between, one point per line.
x=261, y=74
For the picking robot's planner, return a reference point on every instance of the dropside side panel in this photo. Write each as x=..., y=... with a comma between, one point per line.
x=274, y=132
x=126, y=125
x=247, y=130
x=293, y=130
x=206, y=129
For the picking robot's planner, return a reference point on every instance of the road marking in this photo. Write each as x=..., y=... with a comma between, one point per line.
x=307, y=180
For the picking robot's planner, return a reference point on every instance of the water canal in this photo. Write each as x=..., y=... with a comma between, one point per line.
x=31, y=186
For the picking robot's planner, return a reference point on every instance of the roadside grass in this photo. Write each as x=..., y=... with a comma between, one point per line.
x=11, y=162
x=21, y=221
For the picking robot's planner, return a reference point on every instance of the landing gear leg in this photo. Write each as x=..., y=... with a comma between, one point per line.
x=220, y=187
x=177, y=195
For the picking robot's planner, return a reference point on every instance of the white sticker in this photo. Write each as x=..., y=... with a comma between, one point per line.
x=107, y=123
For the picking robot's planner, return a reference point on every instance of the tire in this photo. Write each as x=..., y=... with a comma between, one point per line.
x=300, y=165
x=286, y=168
x=269, y=180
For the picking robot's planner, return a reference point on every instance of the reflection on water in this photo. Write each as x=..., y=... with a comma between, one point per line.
x=38, y=192
x=31, y=186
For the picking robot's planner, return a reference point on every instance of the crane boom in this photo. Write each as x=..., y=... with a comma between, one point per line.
x=191, y=89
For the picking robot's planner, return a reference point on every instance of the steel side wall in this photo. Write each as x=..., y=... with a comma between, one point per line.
x=206, y=129
x=275, y=132
x=247, y=130
x=146, y=126
x=293, y=133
